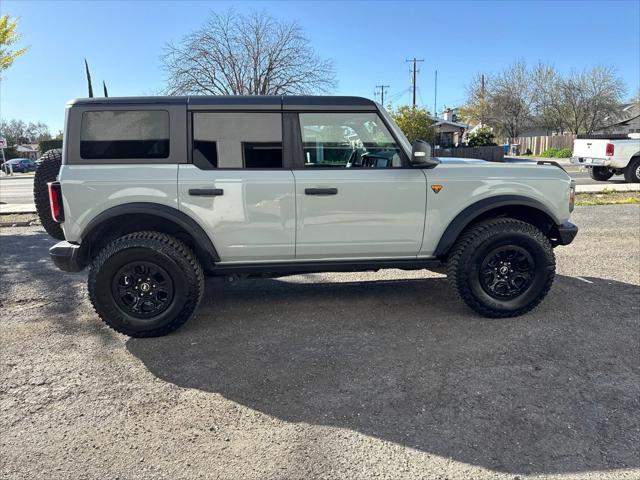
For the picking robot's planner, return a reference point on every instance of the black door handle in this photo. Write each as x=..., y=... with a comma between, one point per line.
x=206, y=192
x=321, y=191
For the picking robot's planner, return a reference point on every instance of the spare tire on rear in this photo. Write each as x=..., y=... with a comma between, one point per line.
x=47, y=172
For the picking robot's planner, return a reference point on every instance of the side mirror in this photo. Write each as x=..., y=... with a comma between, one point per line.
x=421, y=155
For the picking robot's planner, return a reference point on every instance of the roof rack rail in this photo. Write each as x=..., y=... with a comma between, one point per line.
x=550, y=162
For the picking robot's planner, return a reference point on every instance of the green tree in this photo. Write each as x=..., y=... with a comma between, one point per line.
x=415, y=123
x=8, y=36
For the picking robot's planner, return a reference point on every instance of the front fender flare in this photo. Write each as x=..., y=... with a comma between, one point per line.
x=473, y=211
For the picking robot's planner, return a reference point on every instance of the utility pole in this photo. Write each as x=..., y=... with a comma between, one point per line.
x=382, y=87
x=414, y=60
x=435, y=96
x=482, y=101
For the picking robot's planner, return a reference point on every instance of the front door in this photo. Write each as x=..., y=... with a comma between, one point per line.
x=356, y=197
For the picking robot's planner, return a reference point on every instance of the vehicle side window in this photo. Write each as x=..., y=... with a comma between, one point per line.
x=237, y=140
x=347, y=140
x=124, y=134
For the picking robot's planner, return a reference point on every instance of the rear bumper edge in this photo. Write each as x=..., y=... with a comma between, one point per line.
x=67, y=256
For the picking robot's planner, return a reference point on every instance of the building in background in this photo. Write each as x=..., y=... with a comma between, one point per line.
x=448, y=131
x=624, y=122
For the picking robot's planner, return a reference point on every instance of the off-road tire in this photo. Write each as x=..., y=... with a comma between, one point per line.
x=601, y=174
x=163, y=250
x=476, y=243
x=632, y=172
x=47, y=172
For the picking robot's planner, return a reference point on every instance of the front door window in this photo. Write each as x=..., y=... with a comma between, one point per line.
x=347, y=140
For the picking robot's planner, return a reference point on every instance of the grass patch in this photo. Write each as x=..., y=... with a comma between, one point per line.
x=607, y=197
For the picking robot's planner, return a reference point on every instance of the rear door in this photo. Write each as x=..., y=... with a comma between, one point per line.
x=356, y=197
x=236, y=185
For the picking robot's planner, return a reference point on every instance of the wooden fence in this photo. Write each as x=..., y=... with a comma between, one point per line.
x=492, y=154
x=537, y=145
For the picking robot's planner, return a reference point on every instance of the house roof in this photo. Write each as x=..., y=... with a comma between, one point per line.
x=628, y=112
x=25, y=148
x=441, y=121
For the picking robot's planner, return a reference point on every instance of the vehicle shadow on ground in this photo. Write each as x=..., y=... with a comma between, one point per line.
x=404, y=361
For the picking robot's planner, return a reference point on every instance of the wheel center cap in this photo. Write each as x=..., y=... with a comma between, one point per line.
x=145, y=287
x=504, y=270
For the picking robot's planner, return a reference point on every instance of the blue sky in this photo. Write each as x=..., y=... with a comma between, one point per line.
x=369, y=42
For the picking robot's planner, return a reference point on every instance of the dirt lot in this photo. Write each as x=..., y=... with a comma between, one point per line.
x=351, y=376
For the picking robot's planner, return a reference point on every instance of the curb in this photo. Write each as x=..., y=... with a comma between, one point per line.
x=17, y=176
x=17, y=208
x=623, y=187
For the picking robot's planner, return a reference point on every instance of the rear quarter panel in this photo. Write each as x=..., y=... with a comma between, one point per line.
x=465, y=184
x=88, y=190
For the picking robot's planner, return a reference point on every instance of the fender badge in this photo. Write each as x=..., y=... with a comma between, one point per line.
x=436, y=188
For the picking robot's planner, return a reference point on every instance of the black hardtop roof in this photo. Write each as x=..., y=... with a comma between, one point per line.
x=238, y=102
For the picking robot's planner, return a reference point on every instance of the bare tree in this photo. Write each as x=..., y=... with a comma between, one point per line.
x=520, y=97
x=17, y=131
x=503, y=101
x=254, y=54
x=511, y=100
x=476, y=108
x=548, y=109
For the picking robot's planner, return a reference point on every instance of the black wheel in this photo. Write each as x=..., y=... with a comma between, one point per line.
x=632, y=172
x=502, y=268
x=145, y=284
x=47, y=172
x=601, y=174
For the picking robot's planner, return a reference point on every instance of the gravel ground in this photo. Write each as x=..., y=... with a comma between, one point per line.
x=354, y=376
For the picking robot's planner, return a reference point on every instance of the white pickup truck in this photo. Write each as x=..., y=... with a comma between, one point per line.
x=608, y=156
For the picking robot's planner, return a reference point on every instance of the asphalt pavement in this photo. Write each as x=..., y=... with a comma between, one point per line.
x=332, y=376
x=16, y=190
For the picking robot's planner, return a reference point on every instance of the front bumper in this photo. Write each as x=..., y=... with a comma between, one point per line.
x=564, y=234
x=67, y=256
x=590, y=162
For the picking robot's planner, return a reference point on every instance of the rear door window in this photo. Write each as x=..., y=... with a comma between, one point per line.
x=124, y=134
x=237, y=140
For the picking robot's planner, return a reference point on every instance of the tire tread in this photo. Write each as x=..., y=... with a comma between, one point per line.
x=470, y=238
x=158, y=241
x=47, y=172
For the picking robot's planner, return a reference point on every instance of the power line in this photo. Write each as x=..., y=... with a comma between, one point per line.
x=381, y=87
x=398, y=95
x=421, y=99
x=414, y=60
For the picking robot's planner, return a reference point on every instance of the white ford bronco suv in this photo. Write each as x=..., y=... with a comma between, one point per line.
x=154, y=193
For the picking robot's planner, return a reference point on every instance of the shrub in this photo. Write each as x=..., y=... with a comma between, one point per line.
x=483, y=137
x=46, y=145
x=556, y=153
x=550, y=153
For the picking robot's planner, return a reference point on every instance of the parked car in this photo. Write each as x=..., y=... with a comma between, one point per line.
x=156, y=192
x=606, y=156
x=19, y=165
